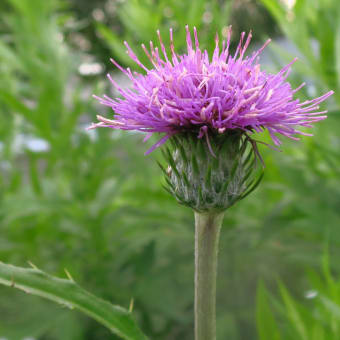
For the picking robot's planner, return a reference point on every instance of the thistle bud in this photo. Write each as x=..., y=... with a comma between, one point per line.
x=213, y=175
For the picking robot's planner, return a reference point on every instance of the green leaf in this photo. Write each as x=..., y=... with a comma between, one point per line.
x=331, y=306
x=275, y=9
x=68, y=293
x=265, y=321
x=293, y=313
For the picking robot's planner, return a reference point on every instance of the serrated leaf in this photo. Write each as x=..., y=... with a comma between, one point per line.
x=68, y=293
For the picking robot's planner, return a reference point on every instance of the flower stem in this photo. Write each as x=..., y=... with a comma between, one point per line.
x=207, y=232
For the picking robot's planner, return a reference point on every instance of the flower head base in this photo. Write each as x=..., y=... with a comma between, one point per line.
x=208, y=183
x=192, y=93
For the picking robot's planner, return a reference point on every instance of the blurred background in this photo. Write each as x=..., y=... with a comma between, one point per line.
x=91, y=202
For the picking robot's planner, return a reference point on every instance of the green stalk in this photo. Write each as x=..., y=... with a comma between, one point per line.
x=207, y=232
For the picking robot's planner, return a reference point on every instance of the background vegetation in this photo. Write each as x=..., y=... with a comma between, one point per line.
x=91, y=202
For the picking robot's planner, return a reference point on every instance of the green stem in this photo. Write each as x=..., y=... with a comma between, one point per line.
x=208, y=226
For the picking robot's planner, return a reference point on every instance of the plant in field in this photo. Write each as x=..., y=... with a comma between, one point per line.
x=57, y=211
x=209, y=109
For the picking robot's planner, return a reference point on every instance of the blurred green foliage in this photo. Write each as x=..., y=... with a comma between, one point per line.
x=314, y=29
x=93, y=203
x=316, y=318
x=107, y=23
x=209, y=17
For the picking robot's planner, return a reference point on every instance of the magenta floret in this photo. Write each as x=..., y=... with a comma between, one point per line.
x=195, y=93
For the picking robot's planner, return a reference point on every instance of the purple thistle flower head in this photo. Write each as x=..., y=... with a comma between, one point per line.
x=208, y=96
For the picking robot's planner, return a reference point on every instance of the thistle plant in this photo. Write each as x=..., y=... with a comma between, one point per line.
x=207, y=111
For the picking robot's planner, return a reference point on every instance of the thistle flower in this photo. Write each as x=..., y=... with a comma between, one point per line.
x=208, y=108
x=205, y=96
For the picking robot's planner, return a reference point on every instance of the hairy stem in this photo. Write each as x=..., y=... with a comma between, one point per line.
x=207, y=232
